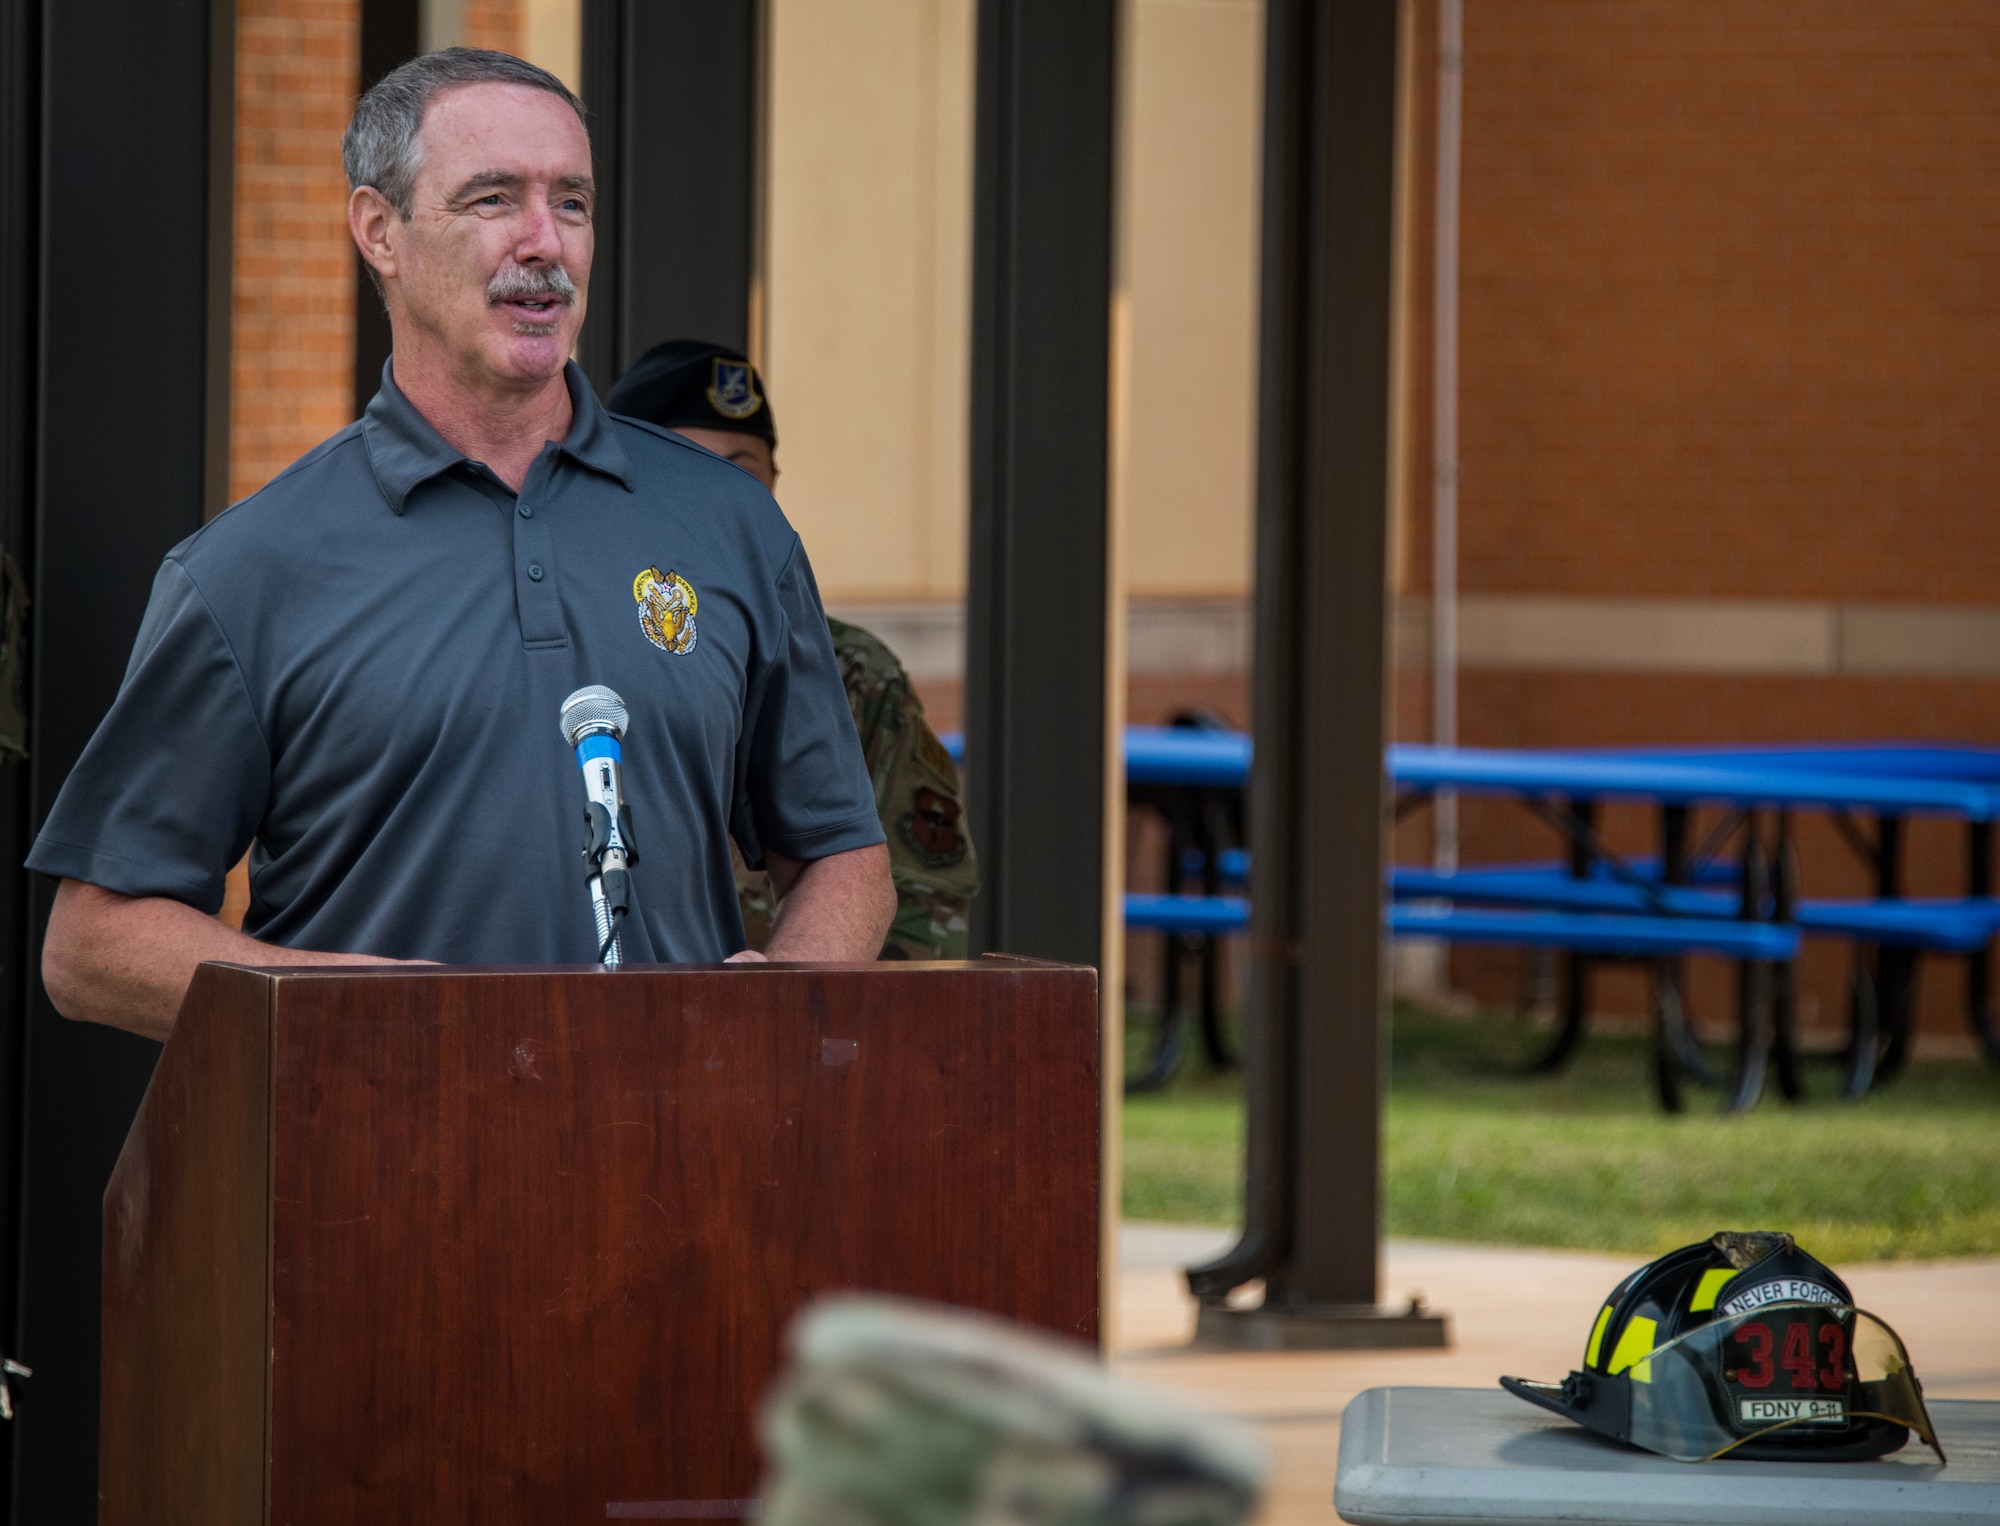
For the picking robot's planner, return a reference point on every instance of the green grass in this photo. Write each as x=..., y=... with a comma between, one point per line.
x=1586, y=1159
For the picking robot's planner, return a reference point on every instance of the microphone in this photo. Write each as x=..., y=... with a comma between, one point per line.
x=593, y=721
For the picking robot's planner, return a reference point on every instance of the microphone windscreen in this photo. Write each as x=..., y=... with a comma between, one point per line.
x=592, y=711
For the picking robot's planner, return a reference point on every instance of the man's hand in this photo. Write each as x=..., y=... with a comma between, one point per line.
x=835, y=909
x=127, y=961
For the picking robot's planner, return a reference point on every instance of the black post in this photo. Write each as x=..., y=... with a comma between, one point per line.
x=1319, y=815
x=390, y=35
x=675, y=93
x=20, y=163
x=134, y=94
x=1035, y=592
x=1979, y=966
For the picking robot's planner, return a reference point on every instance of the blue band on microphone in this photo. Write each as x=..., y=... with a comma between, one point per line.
x=598, y=746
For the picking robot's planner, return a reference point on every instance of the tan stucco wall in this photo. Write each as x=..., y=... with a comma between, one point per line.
x=868, y=243
x=868, y=289
x=1188, y=224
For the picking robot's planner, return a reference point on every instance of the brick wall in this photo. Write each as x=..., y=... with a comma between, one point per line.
x=292, y=323
x=1730, y=328
x=1730, y=291
x=297, y=64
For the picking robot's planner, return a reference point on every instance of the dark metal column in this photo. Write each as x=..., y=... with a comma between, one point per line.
x=1315, y=1059
x=134, y=94
x=390, y=35
x=1035, y=596
x=20, y=165
x=675, y=93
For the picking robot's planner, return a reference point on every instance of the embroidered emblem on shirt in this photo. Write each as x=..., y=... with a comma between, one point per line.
x=930, y=830
x=666, y=609
x=732, y=389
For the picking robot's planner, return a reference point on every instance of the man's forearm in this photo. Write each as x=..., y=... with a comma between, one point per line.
x=126, y=961
x=833, y=908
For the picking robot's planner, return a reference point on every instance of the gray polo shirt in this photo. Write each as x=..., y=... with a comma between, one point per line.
x=357, y=672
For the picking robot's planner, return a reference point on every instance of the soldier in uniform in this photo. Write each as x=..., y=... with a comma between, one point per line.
x=712, y=395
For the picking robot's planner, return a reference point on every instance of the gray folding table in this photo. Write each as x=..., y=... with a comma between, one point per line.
x=1455, y=1456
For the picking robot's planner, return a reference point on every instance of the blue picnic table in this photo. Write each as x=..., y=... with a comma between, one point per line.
x=1565, y=788
x=1892, y=980
x=1884, y=783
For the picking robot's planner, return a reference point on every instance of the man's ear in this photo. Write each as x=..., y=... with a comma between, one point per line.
x=371, y=220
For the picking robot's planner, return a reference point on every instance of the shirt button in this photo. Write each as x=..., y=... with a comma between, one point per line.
x=527, y=511
x=534, y=572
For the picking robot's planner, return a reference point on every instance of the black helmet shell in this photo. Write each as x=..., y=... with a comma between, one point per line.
x=1731, y=1273
x=1685, y=1289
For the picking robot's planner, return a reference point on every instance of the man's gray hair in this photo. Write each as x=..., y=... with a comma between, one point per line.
x=380, y=145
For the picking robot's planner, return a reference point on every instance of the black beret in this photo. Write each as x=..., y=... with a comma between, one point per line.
x=692, y=383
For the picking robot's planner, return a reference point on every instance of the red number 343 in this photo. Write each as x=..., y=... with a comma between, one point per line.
x=1797, y=1356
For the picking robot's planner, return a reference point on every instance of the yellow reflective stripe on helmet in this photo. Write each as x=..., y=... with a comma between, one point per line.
x=1710, y=1285
x=1635, y=1344
x=1597, y=1336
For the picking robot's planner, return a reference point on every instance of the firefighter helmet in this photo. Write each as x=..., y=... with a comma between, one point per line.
x=1744, y=1346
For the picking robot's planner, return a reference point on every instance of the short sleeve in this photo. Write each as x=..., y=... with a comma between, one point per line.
x=169, y=792
x=802, y=788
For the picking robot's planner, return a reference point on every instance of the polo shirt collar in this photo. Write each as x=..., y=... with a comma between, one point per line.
x=407, y=451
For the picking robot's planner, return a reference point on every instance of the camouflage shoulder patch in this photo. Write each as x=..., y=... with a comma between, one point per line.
x=929, y=829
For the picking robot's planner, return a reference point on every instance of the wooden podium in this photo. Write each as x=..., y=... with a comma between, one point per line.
x=520, y=1245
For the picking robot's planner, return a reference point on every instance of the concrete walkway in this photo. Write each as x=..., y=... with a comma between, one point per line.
x=1525, y=1312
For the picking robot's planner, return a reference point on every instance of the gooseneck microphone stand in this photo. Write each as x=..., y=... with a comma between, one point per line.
x=593, y=722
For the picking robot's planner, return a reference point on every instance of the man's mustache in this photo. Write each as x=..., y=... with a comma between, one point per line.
x=519, y=282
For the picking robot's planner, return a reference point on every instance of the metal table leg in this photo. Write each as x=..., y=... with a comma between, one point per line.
x=1575, y=1017
x=1895, y=968
x=1863, y=1032
x=1673, y=871
x=1171, y=1040
x=1753, y=984
x=1884, y=980
x=1576, y=967
x=1213, y=828
x=1784, y=976
x=1896, y=994
x=1979, y=966
x=1753, y=1035
x=1669, y=1036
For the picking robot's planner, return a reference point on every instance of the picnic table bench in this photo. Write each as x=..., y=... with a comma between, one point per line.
x=1963, y=926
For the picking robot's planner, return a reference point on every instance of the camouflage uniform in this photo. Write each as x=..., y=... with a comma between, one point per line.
x=902, y=1414
x=917, y=796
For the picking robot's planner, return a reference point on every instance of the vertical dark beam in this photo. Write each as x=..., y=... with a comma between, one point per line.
x=20, y=165
x=675, y=93
x=218, y=305
x=390, y=35
x=1337, y=715
x=122, y=450
x=1035, y=657
x=603, y=62
x=1315, y=1062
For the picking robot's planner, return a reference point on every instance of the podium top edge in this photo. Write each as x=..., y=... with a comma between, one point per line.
x=991, y=963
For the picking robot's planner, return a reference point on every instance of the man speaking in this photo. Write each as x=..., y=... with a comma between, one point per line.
x=357, y=671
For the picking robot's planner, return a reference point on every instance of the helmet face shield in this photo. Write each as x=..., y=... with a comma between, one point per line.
x=1796, y=1380
x=1823, y=1372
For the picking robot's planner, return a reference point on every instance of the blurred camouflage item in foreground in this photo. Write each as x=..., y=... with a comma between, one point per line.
x=903, y=1414
x=917, y=796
